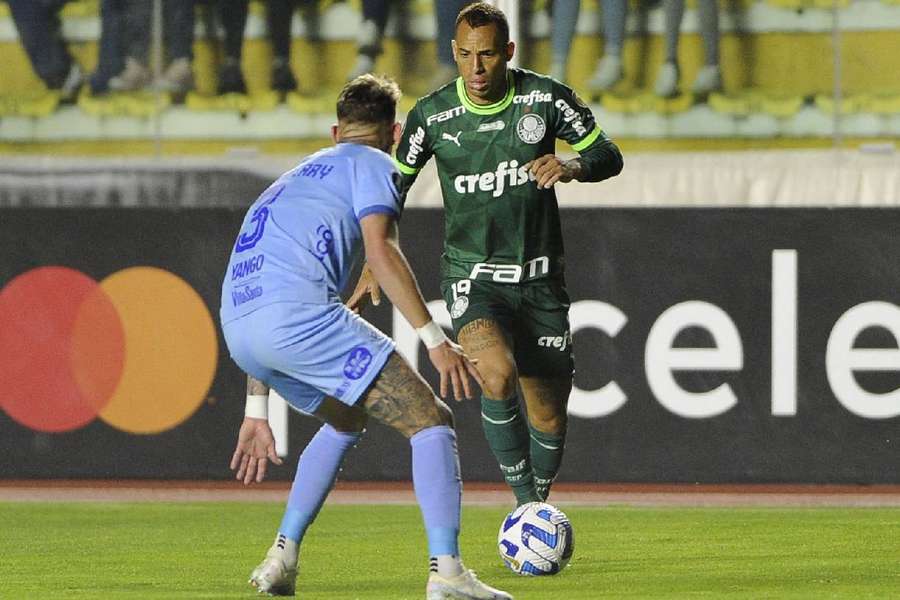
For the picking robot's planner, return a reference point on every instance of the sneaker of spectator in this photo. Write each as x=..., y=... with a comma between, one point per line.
x=608, y=73
x=283, y=79
x=364, y=64
x=667, y=80
x=72, y=84
x=134, y=77
x=231, y=80
x=708, y=80
x=178, y=78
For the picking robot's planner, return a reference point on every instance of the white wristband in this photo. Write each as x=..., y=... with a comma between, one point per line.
x=431, y=335
x=257, y=406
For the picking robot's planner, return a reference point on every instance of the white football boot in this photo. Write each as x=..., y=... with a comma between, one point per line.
x=273, y=576
x=464, y=586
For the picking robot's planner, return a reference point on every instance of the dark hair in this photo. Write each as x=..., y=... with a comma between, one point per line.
x=480, y=14
x=369, y=99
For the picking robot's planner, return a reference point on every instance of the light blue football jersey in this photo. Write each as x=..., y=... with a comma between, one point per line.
x=301, y=238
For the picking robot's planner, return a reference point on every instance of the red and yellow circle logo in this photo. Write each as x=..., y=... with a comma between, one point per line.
x=138, y=349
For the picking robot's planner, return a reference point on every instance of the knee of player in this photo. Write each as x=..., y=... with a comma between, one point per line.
x=499, y=381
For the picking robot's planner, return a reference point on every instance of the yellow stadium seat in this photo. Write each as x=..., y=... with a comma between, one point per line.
x=780, y=106
x=126, y=104
x=882, y=104
x=39, y=106
x=309, y=104
x=730, y=105
x=787, y=4
x=848, y=105
x=226, y=102
x=620, y=104
x=669, y=106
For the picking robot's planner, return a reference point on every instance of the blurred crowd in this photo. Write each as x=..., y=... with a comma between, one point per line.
x=126, y=30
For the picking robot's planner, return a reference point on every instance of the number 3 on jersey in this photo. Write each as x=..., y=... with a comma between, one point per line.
x=247, y=241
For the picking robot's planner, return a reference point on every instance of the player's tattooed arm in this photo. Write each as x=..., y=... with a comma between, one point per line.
x=255, y=387
x=550, y=169
x=401, y=399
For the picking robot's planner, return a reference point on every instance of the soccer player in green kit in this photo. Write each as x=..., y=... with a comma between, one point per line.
x=493, y=133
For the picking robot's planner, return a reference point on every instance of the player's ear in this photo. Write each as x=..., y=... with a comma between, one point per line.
x=397, y=131
x=453, y=48
x=334, y=133
x=510, y=50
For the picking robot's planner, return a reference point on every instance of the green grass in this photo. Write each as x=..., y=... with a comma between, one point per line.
x=206, y=550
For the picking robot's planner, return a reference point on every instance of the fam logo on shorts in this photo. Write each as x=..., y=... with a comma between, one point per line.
x=531, y=128
x=357, y=363
x=459, y=307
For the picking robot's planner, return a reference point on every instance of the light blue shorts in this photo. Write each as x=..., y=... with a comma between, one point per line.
x=308, y=351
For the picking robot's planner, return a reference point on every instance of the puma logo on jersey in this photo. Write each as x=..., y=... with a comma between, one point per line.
x=452, y=138
x=506, y=173
x=492, y=126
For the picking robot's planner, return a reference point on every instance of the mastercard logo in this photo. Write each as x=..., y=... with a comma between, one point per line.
x=137, y=350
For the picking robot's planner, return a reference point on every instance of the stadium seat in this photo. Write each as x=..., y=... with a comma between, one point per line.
x=134, y=104
x=848, y=105
x=780, y=106
x=37, y=105
x=882, y=104
x=739, y=106
x=261, y=101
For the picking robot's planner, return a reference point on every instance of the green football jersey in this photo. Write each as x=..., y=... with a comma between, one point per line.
x=499, y=225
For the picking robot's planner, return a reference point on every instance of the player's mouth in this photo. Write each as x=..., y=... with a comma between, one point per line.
x=478, y=85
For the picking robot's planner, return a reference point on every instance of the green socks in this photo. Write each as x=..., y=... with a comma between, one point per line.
x=507, y=435
x=546, y=456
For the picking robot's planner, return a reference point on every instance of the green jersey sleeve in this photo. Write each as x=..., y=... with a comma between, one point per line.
x=574, y=121
x=414, y=148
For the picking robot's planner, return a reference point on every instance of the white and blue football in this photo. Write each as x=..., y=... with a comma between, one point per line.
x=536, y=539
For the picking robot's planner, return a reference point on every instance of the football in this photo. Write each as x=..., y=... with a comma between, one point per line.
x=536, y=539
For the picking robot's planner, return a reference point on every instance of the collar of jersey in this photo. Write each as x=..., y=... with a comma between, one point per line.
x=486, y=109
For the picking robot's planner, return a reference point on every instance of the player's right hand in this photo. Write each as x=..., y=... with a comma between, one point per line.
x=455, y=369
x=255, y=446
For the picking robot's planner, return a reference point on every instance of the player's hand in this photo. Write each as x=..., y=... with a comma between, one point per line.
x=255, y=446
x=455, y=369
x=549, y=169
x=366, y=291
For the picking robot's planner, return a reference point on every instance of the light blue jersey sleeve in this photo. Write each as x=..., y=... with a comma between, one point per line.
x=375, y=186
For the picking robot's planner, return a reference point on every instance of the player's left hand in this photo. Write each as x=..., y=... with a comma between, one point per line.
x=549, y=169
x=367, y=290
x=255, y=446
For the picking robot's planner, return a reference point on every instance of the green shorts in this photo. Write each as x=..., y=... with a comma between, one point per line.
x=534, y=314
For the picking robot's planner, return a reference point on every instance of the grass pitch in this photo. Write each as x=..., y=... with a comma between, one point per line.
x=206, y=550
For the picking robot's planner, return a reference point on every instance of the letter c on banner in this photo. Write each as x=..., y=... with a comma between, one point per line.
x=139, y=350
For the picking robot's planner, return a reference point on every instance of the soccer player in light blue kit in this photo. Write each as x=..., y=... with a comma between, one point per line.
x=286, y=327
